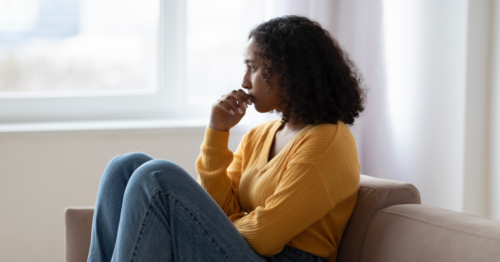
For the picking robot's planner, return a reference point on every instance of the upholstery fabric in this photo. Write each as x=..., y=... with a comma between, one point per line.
x=374, y=194
x=78, y=229
x=414, y=233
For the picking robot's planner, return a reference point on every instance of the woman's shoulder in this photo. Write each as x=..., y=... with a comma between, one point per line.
x=327, y=132
x=330, y=131
x=325, y=139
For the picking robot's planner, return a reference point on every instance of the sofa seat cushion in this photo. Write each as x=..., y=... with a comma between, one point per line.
x=414, y=233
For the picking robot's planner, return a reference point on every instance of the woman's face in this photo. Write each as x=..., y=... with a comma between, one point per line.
x=263, y=100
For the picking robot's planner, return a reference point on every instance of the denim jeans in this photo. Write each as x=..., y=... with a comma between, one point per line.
x=153, y=210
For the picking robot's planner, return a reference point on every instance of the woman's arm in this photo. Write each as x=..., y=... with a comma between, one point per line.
x=220, y=170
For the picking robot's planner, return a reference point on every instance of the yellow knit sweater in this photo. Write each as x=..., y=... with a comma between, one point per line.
x=303, y=197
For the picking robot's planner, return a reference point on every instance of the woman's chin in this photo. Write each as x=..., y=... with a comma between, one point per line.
x=261, y=110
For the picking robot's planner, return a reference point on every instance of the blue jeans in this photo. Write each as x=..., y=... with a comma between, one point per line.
x=153, y=210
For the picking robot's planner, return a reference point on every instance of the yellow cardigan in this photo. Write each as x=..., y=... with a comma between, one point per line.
x=303, y=197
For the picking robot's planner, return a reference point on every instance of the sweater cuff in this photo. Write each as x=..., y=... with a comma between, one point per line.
x=235, y=218
x=216, y=138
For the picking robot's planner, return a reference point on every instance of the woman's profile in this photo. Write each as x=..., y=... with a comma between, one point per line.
x=286, y=193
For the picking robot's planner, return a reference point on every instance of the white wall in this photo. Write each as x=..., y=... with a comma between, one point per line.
x=477, y=107
x=493, y=148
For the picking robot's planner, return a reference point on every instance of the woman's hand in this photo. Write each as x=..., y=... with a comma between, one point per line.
x=229, y=110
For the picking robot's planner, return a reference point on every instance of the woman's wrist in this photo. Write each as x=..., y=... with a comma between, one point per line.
x=223, y=130
x=218, y=127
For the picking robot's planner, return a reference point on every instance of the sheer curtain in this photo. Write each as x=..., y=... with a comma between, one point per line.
x=431, y=71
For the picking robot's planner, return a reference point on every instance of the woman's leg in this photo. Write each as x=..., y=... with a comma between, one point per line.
x=109, y=204
x=166, y=215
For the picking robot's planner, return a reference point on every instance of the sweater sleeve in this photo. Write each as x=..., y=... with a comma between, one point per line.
x=219, y=170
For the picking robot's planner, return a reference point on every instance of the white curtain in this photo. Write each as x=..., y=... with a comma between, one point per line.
x=430, y=68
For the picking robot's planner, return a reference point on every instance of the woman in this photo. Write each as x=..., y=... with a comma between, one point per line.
x=287, y=192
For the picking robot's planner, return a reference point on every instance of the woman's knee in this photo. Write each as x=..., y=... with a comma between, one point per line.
x=134, y=159
x=160, y=171
x=125, y=165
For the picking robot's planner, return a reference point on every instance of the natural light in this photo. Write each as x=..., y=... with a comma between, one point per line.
x=78, y=45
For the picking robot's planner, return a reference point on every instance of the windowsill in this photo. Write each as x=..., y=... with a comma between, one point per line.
x=108, y=125
x=112, y=126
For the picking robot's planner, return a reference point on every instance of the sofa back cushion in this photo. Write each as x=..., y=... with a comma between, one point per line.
x=374, y=195
x=414, y=233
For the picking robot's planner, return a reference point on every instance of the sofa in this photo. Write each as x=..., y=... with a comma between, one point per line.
x=388, y=224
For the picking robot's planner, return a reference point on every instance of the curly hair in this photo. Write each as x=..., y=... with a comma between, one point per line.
x=319, y=82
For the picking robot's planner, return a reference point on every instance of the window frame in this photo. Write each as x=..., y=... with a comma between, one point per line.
x=166, y=102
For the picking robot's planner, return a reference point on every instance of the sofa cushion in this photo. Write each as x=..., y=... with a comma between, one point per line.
x=374, y=194
x=414, y=233
x=78, y=229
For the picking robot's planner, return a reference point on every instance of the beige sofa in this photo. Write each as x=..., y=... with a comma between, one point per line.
x=388, y=225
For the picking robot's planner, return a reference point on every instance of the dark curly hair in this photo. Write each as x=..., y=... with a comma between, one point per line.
x=318, y=81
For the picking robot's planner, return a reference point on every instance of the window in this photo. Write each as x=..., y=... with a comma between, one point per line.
x=89, y=59
x=111, y=59
x=72, y=45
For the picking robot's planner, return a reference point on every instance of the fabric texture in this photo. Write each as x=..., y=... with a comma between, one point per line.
x=78, y=225
x=303, y=197
x=374, y=194
x=153, y=210
x=414, y=233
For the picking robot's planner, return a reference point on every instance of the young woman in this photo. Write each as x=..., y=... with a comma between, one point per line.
x=287, y=192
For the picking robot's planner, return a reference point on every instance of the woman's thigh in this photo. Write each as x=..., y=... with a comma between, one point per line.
x=167, y=215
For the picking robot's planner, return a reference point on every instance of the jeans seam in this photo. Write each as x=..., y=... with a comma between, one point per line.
x=194, y=214
x=142, y=225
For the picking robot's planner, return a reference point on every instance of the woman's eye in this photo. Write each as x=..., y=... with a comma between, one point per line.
x=251, y=68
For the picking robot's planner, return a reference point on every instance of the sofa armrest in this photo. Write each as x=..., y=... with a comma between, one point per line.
x=77, y=236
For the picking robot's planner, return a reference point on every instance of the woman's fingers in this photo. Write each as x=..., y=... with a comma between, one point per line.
x=242, y=98
x=237, y=100
x=226, y=107
x=236, y=96
x=235, y=104
x=228, y=110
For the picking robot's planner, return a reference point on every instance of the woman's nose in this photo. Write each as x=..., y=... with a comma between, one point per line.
x=246, y=84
